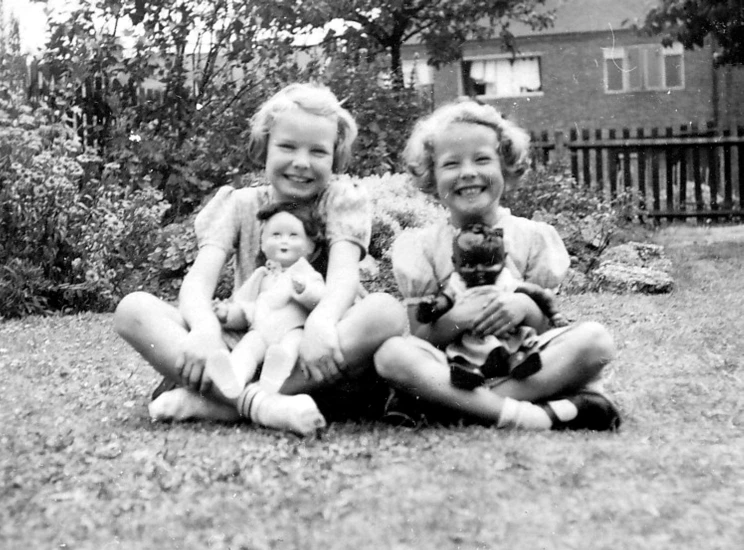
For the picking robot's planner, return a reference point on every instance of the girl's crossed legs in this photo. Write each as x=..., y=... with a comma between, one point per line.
x=157, y=331
x=571, y=360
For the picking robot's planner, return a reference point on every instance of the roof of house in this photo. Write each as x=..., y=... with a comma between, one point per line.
x=590, y=15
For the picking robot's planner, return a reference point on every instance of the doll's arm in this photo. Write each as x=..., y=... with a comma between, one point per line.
x=432, y=307
x=232, y=315
x=545, y=300
x=308, y=288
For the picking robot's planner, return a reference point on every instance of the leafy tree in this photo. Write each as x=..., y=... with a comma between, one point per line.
x=187, y=135
x=383, y=26
x=692, y=21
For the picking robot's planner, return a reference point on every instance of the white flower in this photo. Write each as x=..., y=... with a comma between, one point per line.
x=135, y=138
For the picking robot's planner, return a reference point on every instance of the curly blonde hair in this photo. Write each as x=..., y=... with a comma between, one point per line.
x=513, y=148
x=312, y=98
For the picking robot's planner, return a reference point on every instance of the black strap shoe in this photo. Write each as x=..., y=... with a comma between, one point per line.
x=595, y=412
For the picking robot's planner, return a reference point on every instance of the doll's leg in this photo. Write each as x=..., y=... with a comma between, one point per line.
x=262, y=404
x=280, y=360
x=569, y=362
x=231, y=372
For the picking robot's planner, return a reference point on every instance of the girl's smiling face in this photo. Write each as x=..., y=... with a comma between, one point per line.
x=299, y=154
x=467, y=170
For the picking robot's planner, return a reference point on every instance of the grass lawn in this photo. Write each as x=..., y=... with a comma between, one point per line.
x=83, y=467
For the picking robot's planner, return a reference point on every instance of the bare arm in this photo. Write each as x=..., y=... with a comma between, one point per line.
x=320, y=353
x=342, y=282
x=195, y=304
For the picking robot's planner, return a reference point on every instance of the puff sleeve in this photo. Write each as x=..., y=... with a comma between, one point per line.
x=413, y=272
x=348, y=213
x=218, y=223
x=548, y=259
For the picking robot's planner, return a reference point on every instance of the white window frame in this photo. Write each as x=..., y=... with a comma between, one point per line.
x=502, y=57
x=620, y=56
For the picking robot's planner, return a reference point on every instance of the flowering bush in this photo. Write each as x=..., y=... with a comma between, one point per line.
x=70, y=235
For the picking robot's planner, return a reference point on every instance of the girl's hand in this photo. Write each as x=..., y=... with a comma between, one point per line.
x=502, y=313
x=191, y=364
x=320, y=353
x=221, y=310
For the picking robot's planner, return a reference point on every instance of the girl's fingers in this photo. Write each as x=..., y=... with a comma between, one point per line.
x=493, y=324
x=315, y=373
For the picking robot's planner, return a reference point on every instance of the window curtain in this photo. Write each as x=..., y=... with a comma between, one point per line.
x=507, y=77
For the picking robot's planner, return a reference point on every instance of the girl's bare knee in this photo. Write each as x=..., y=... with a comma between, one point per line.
x=388, y=361
x=598, y=346
x=388, y=314
x=128, y=311
x=603, y=343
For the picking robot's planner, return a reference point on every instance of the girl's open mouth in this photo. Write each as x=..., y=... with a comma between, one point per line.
x=469, y=191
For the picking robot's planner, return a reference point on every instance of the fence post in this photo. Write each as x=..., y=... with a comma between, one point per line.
x=560, y=145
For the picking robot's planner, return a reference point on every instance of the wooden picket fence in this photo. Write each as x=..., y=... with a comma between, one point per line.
x=694, y=171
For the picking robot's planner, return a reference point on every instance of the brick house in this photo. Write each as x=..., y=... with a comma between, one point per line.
x=590, y=70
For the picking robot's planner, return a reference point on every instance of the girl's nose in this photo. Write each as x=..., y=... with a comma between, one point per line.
x=467, y=170
x=301, y=158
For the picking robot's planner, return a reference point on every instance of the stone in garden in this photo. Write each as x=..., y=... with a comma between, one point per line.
x=633, y=267
x=575, y=282
x=637, y=254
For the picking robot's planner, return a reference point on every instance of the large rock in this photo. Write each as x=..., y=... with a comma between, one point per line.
x=633, y=267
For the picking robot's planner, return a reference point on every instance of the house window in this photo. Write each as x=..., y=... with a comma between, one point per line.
x=502, y=76
x=643, y=67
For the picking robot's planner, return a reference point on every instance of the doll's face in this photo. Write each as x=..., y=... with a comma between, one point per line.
x=284, y=240
x=478, y=254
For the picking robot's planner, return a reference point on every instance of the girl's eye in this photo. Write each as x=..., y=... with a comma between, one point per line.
x=319, y=152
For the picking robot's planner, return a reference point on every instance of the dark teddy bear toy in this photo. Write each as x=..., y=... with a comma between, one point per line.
x=479, y=258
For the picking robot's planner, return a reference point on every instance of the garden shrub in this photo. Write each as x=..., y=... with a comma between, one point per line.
x=68, y=228
x=385, y=115
x=585, y=220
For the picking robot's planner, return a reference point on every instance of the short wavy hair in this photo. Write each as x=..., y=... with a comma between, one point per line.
x=312, y=98
x=513, y=148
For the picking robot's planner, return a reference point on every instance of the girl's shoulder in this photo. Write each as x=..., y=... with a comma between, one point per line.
x=525, y=228
x=344, y=194
x=228, y=198
x=426, y=242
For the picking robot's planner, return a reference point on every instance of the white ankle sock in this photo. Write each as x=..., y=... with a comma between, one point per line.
x=564, y=409
x=523, y=414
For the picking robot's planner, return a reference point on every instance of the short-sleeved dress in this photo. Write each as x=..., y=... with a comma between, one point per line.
x=422, y=261
x=229, y=220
